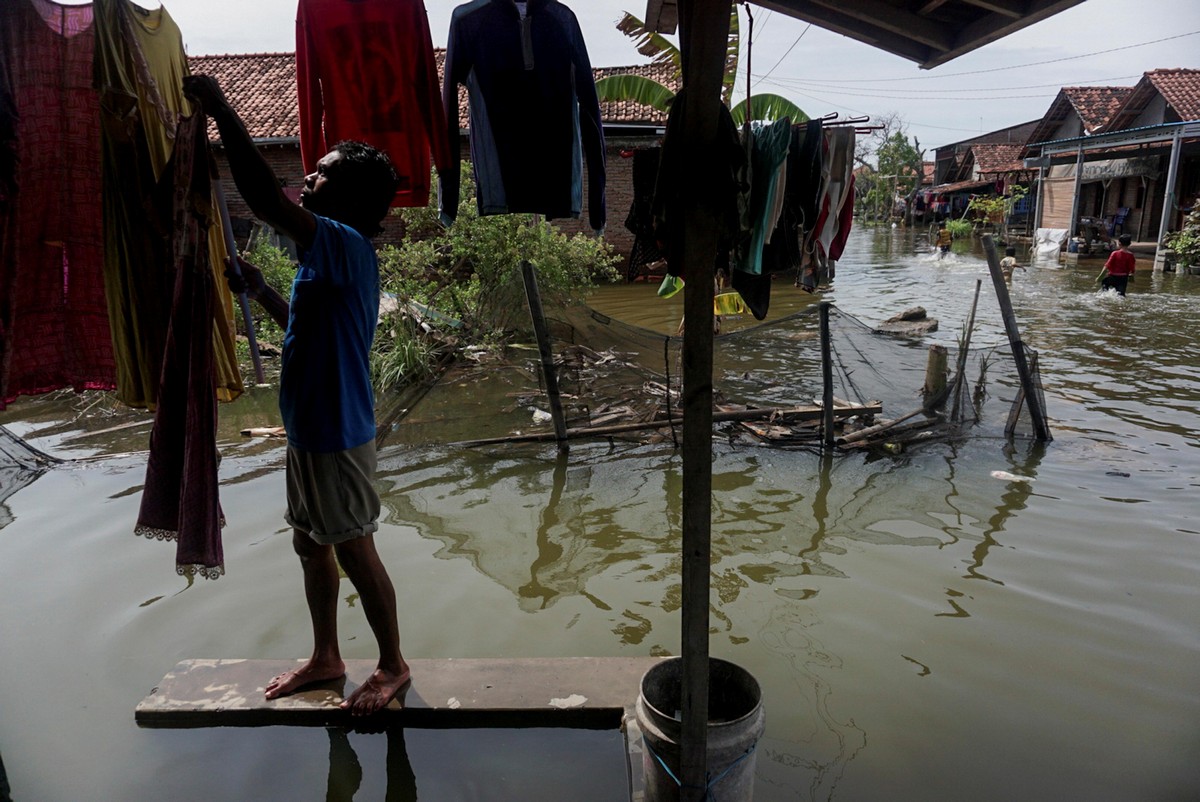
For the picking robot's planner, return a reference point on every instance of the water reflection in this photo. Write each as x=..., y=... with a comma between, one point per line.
x=345, y=771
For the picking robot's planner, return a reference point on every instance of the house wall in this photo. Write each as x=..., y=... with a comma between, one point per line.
x=1155, y=113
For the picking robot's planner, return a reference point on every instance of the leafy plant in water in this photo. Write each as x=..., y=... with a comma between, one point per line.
x=1186, y=241
x=471, y=271
x=960, y=228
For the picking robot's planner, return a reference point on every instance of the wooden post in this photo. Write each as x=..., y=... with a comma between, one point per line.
x=826, y=377
x=704, y=34
x=542, y=333
x=1041, y=428
x=936, y=370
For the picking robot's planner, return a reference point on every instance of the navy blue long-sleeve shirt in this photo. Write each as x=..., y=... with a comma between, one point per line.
x=533, y=110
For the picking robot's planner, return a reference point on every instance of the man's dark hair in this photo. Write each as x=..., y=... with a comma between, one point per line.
x=1124, y=239
x=1010, y=251
x=371, y=182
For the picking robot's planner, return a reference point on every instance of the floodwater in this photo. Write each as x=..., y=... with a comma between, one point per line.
x=921, y=629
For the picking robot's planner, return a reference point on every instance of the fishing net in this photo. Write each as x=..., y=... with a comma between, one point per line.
x=621, y=380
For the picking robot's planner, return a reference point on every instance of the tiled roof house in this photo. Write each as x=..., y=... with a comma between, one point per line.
x=1162, y=96
x=262, y=88
x=1079, y=111
x=1122, y=181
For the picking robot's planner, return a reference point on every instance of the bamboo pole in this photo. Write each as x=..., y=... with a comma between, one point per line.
x=1041, y=428
x=826, y=377
x=542, y=333
x=962, y=354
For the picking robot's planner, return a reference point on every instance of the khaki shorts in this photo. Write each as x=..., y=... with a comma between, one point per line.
x=330, y=497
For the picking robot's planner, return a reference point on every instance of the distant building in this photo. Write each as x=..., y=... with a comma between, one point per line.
x=1120, y=159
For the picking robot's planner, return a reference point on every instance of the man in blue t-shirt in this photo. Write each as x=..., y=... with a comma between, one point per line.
x=325, y=393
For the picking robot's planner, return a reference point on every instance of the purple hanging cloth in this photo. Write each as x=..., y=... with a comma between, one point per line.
x=179, y=500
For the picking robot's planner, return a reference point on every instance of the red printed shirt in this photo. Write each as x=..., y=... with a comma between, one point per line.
x=365, y=70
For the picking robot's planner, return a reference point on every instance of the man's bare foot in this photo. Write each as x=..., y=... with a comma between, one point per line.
x=374, y=694
x=310, y=673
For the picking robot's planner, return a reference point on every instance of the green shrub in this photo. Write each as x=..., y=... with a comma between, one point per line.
x=1186, y=241
x=472, y=270
x=960, y=228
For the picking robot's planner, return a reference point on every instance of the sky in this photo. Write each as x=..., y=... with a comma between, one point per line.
x=1012, y=81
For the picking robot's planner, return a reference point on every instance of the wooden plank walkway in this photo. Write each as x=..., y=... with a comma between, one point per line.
x=585, y=692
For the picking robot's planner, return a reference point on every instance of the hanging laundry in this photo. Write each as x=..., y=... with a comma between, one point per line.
x=53, y=319
x=179, y=500
x=769, y=143
x=640, y=220
x=675, y=181
x=845, y=221
x=365, y=71
x=841, y=167
x=534, y=113
x=139, y=69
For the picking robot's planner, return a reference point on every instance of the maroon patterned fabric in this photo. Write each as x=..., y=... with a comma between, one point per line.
x=54, y=328
x=179, y=500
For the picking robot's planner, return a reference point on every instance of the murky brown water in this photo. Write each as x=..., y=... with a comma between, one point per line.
x=921, y=630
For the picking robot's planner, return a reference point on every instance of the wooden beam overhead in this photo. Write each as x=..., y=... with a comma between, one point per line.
x=894, y=20
x=838, y=22
x=931, y=6
x=1008, y=8
x=962, y=25
x=990, y=28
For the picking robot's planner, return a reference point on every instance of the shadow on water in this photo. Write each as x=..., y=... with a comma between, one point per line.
x=346, y=774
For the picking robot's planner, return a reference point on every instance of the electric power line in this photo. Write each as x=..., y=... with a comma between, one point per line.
x=785, y=55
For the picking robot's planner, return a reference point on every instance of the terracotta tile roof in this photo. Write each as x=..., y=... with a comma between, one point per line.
x=1180, y=88
x=998, y=157
x=262, y=87
x=1096, y=105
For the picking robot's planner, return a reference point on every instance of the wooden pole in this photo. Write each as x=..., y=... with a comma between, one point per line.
x=542, y=332
x=231, y=248
x=826, y=377
x=1041, y=428
x=704, y=34
x=934, y=390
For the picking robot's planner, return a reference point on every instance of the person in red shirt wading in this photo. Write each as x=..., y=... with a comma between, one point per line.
x=1118, y=270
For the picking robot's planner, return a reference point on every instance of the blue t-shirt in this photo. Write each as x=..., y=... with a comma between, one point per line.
x=325, y=392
